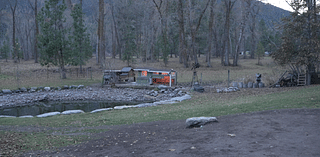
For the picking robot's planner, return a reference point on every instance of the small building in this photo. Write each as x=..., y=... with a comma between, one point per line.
x=118, y=76
x=148, y=76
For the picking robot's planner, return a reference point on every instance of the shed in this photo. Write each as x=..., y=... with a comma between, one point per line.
x=155, y=76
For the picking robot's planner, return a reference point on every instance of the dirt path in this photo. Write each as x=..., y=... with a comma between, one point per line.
x=290, y=132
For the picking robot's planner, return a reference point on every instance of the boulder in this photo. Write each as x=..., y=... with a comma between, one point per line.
x=123, y=107
x=185, y=97
x=4, y=116
x=65, y=87
x=250, y=84
x=261, y=85
x=28, y=116
x=145, y=105
x=99, y=110
x=48, y=114
x=199, y=121
x=23, y=89
x=6, y=91
x=73, y=87
x=240, y=85
x=80, y=87
x=255, y=85
x=163, y=87
x=72, y=112
x=33, y=89
x=234, y=84
x=47, y=89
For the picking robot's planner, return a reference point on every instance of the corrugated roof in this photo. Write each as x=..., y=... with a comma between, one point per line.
x=126, y=69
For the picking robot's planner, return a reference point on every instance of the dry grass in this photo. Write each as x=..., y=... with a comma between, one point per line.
x=29, y=74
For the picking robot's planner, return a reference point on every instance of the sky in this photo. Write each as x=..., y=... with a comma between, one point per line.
x=279, y=3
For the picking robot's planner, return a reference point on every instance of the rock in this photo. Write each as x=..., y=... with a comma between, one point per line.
x=99, y=110
x=65, y=87
x=28, y=116
x=163, y=87
x=6, y=91
x=80, y=87
x=245, y=85
x=23, y=89
x=47, y=89
x=41, y=87
x=48, y=114
x=4, y=116
x=261, y=85
x=234, y=84
x=73, y=87
x=58, y=88
x=198, y=88
x=185, y=97
x=33, y=89
x=250, y=84
x=155, y=94
x=145, y=105
x=199, y=121
x=240, y=84
x=72, y=112
x=162, y=90
x=123, y=107
x=255, y=85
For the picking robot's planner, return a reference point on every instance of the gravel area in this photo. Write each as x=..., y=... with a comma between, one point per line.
x=90, y=94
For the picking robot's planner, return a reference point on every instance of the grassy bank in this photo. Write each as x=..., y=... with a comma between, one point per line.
x=72, y=129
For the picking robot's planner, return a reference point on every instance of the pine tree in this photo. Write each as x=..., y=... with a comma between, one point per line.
x=81, y=48
x=5, y=49
x=301, y=37
x=53, y=42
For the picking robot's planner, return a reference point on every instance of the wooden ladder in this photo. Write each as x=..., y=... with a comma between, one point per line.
x=302, y=79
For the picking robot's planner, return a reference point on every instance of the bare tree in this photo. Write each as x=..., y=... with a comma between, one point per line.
x=36, y=32
x=211, y=32
x=254, y=10
x=226, y=42
x=182, y=47
x=244, y=16
x=13, y=8
x=101, y=37
x=194, y=27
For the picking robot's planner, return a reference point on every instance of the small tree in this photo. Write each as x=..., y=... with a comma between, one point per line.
x=53, y=44
x=5, y=50
x=130, y=46
x=81, y=48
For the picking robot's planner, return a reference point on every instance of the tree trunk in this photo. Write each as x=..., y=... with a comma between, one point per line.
x=210, y=35
x=101, y=44
x=182, y=50
x=13, y=10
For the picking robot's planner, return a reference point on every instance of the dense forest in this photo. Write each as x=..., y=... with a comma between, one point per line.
x=151, y=30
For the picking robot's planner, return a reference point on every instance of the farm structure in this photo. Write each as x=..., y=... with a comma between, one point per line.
x=127, y=74
x=149, y=76
x=142, y=76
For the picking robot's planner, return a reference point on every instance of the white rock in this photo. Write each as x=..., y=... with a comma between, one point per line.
x=199, y=121
x=185, y=97
x=123, y=107
x=47, y=89
x=4, y=116
x=72, y=112
x=99, y=110
x=28, y=116
x=145, y=105
x=48, y=114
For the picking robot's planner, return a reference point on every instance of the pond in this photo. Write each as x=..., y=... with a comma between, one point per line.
x=56, y=106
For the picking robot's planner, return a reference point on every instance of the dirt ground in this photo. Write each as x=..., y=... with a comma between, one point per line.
x=289, y=132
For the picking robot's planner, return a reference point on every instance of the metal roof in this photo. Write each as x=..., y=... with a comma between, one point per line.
x=126, y=69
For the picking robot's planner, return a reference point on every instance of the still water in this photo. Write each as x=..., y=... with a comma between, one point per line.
x=56, y=106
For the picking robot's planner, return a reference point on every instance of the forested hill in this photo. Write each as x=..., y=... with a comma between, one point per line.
x=272, y=15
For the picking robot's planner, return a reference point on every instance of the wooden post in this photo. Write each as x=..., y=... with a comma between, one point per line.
x=228, y=77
